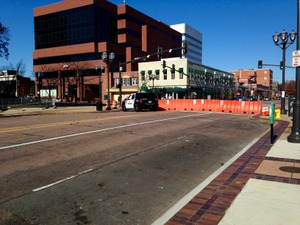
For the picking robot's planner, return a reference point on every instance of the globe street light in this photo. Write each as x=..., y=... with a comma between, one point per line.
x=283, y=44
x=101, y=68
x=108, y=60
x=152, y=77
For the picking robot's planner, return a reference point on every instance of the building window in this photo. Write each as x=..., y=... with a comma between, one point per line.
x=126, y=82
x=75, y=26
x=116, y=81
x=134, y=81
x=173, y=76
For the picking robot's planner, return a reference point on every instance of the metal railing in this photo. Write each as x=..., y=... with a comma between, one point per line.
x=25, y=102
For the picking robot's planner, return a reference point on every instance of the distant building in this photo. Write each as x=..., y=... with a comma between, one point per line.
x=13, y=85
x=194, y=40
x=254, y=83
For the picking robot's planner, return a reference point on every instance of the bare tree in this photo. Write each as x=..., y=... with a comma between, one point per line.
x=4, y=41
x=20, y=67
x=290, y=87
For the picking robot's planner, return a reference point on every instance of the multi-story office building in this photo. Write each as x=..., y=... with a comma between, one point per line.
x=71, y=37
x=194, y=40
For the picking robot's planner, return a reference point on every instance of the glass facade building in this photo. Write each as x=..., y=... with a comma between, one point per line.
x=70, y=37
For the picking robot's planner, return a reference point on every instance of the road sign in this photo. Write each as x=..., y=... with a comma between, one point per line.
x=296, y=58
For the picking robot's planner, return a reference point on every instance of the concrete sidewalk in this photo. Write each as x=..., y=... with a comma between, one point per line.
x=261, y=186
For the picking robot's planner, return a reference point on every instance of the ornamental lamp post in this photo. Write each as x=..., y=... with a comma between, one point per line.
x=100, y=69
x=152, y=77
x=294, y=137
x=284, y=43
x=108, y=59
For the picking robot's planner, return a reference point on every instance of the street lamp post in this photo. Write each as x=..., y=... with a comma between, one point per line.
x=101, y=68
x=294, y=137
x=284, y=44
x=108, y=59
x=153, y=77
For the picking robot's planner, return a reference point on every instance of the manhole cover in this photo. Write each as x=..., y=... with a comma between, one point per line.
x=290, y=169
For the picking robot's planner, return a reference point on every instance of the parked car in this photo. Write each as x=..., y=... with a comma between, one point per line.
x=239, y=98
x=251, y=98
x=266, y=99
x=29, y=98
x=139, y=101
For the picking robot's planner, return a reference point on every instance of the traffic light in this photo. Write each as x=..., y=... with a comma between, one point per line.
x=159, y=52
x=164, y=64
x=184, y=47
x=260, y=64
x=281, y=65
x=173, y=68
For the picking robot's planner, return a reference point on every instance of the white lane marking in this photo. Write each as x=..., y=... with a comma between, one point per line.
x=95, y=131
x=182, y=202
x=60, y=181
x=74, y=176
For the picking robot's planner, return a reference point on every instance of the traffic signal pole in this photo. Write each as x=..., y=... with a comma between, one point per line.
x=174, y=69
x=294, y=137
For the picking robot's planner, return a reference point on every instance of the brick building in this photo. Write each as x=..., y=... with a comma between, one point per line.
x=70, y=37
x=254, y=83
x=13, y=85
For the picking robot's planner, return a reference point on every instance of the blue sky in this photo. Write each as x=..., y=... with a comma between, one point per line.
x=236, y=33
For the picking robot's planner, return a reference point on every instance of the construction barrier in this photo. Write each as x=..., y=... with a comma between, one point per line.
x=213, y=105
x=265, y=111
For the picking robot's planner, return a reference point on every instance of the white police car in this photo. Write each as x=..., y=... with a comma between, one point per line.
x=139, y=101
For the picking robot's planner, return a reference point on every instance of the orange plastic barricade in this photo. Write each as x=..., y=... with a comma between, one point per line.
x=172, y=105
x=178, y=104
x=223, y=106
x=216, y=105
x=242, y=107
x=162, y=105
x=265, y=111
x=235, y=106
x=251, y=107
x=168, y=107
x=257, y=107
x=203, y=105
x=195, y=104
x=247, y=109
x=190, y=104
x=227, y=106
x=208, y=105
x=185, y=104
x=231, y=106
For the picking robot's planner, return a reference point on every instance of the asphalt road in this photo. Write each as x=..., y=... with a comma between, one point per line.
x=111, y=168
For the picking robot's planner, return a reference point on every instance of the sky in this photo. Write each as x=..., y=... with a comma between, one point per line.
x=236, y=33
